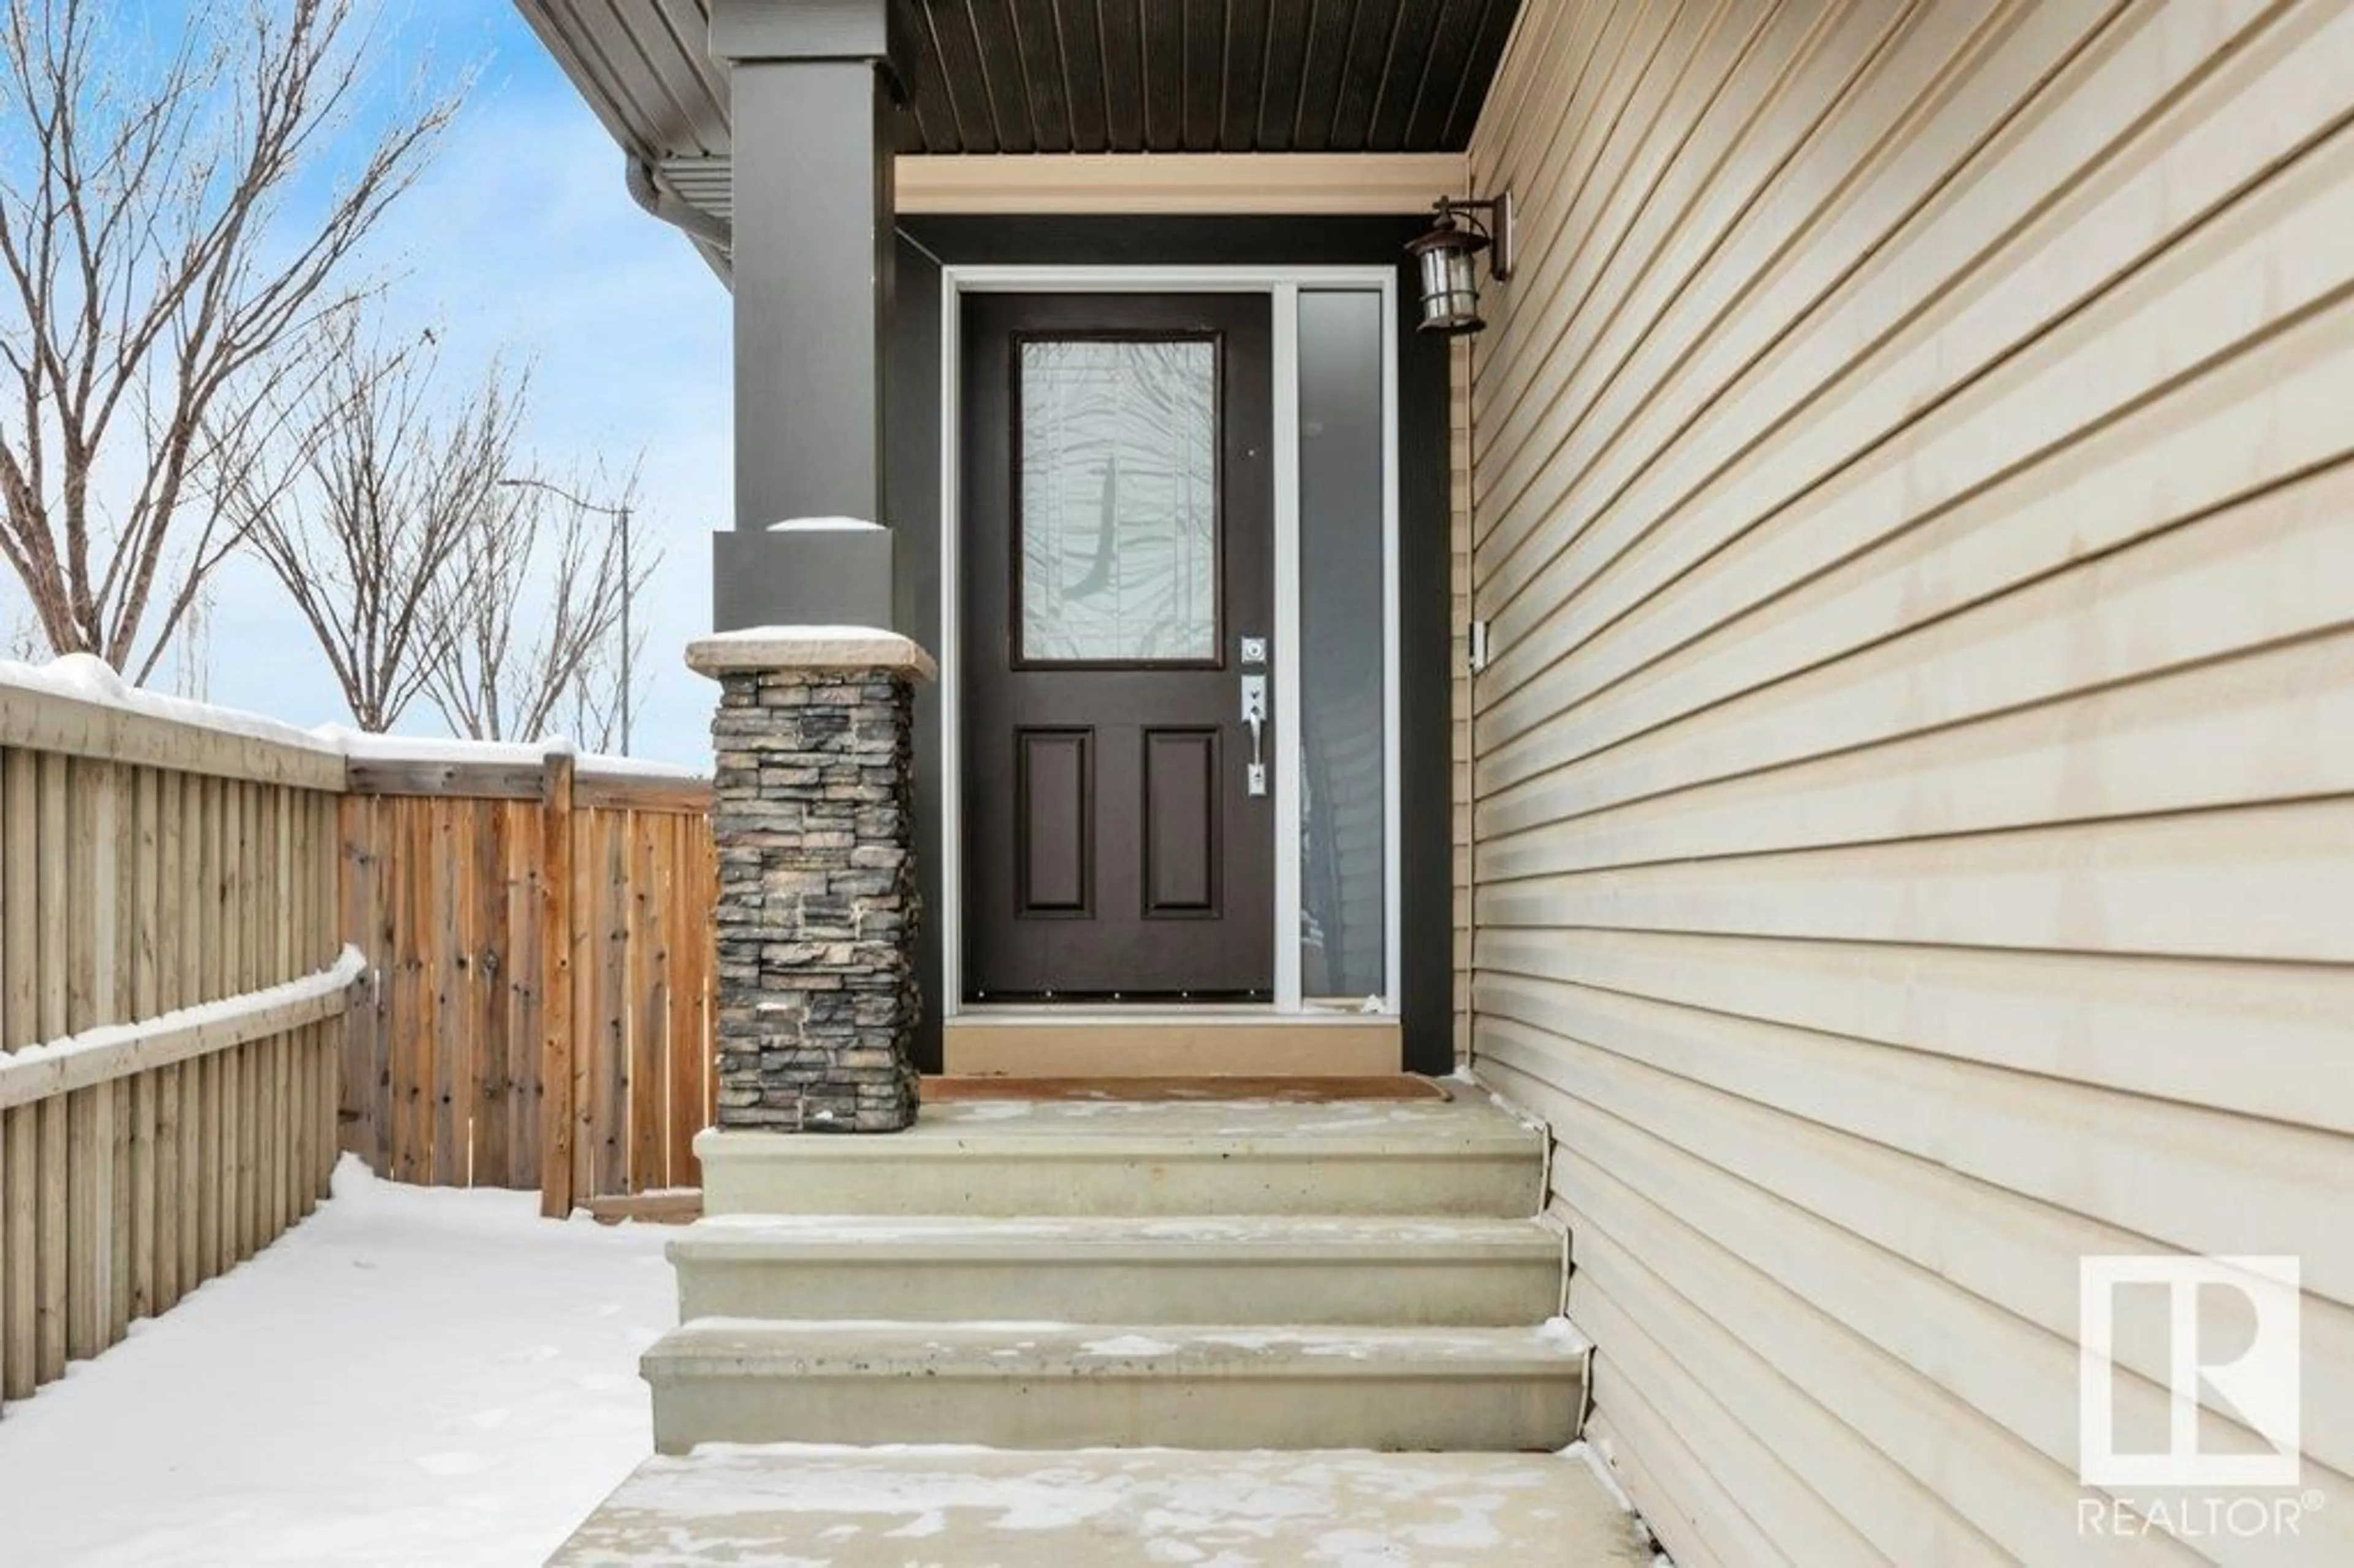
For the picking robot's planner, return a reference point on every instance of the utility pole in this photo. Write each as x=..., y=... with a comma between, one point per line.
x=628, y=581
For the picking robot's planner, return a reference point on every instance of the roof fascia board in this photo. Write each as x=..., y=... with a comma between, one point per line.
x=1179, y=184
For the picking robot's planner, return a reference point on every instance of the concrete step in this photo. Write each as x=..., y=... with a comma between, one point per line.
x=860, y=1508
x=1125, y=1158
x=1404, y=1272
x=1016, y=1385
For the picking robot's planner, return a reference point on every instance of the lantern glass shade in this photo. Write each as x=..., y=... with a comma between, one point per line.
x=1447, y=259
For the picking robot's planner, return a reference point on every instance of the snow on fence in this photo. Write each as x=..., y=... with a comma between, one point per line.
x=172, y=980
x=541, y=963
x=229, y=948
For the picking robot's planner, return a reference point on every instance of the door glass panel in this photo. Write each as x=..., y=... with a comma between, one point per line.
x=1343, y=946
x=1118, y=500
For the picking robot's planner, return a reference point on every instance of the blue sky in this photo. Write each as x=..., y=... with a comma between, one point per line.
x=522, y=238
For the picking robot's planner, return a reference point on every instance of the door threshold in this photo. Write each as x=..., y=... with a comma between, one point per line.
x=1129, y=1043
x=1208, y=1014
x=1327, y=1090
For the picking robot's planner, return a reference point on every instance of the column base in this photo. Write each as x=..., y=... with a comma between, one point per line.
x=814, y=824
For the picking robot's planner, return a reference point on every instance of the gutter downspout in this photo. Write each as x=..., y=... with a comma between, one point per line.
x=712, y=237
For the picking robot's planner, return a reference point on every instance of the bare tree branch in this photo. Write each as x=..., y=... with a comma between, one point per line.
x=152, y=269
x=529, y=621
x=365, y=496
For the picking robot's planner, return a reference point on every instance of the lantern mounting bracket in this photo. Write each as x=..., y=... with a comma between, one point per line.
x=1489, y=215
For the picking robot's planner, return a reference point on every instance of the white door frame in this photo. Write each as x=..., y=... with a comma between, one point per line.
x=1282, y=286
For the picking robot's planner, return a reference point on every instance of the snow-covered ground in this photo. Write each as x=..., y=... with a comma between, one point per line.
x=410, y=1377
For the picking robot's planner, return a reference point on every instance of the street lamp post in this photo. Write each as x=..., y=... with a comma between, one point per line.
x=629, y=583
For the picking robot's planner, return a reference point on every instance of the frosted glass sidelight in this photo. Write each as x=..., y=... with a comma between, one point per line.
x=1344, y=913
x=1117, y=486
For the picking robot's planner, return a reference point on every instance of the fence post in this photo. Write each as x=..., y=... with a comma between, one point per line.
x=556, y=1195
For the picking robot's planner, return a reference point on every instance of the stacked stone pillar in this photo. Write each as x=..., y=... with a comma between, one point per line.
x=814, y=821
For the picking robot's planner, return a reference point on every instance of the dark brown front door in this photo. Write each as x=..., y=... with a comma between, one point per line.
x=1118, y=513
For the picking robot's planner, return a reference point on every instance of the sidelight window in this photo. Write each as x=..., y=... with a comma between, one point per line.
x=1344, y=622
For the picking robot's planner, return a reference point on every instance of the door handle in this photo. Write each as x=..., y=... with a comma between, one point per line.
x=1255, y=716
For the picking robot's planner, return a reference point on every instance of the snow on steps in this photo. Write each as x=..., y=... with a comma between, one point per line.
x=1428, y=1271
x=1384, y=1262
x=885, y=1509
x=1127, y=1158
x=1047, y=1386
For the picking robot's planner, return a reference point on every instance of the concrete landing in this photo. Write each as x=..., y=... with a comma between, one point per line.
x=836, y=1508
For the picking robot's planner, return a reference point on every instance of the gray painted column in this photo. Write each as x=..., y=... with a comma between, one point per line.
x=810, y=103
x=814, y=814
x=815, y=826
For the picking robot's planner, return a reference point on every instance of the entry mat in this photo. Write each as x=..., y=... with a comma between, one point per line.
x=1285, y=1090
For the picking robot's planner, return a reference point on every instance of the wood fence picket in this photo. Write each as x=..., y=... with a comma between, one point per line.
x=170, y=978
x=540, y=955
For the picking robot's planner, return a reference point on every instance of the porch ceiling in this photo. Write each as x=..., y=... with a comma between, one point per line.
x=1200, y=76
x=1073, y=76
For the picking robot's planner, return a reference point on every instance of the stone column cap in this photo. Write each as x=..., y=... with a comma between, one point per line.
x=809, y=648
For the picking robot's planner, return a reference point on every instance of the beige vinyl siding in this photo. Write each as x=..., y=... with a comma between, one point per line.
x=1912, y=786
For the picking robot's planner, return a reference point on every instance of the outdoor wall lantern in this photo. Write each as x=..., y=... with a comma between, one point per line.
x=1448, y=260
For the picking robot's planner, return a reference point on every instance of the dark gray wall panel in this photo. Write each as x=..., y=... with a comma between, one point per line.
x=1426, y=976
x=911, y=435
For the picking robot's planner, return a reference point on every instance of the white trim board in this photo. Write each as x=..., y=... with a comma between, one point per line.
x=1285, y=412
x=1205, y=1015
x=1281, y=285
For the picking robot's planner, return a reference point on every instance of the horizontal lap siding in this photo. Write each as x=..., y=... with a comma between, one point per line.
x=1913, y=785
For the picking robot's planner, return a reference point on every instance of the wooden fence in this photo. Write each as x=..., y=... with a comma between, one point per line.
x=227, y=950
x=540, y=961
x=170, y=994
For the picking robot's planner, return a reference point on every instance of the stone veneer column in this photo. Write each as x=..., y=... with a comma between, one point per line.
x=814, y=820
